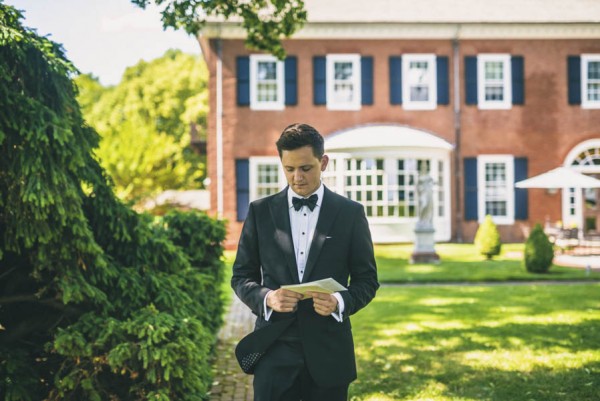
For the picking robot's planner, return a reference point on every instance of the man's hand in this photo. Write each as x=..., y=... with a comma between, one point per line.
x=324, y=304
x=283, y=300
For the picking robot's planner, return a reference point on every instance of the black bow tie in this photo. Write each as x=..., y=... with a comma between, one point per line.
x=311, y=202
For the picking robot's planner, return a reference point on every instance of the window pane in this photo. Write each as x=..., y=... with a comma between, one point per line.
x=343, y=71
x=267, y=70
x=496, y=189
x=494, y=70
x=494, y=93
x=593, y=92
x=268, y=179
x=419, y=93
x=594, y=70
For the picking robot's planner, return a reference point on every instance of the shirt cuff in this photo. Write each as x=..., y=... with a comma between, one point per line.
x=267, y=311
x=339, y=313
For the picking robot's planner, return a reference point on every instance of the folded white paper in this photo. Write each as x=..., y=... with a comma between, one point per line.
x=328, y=286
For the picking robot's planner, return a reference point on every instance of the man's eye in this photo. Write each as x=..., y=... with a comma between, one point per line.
x=306, y=168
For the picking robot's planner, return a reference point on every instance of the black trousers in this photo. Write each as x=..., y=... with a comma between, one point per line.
x=281, y=375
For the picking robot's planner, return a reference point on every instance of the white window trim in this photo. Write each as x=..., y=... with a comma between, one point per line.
x=254, y=162
x=431, y=104
x=508, y=160
x=254, y=103
x=356, y=81
x=585, y=103
x=507, y=82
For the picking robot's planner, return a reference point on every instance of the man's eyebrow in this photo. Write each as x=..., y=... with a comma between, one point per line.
x=302, y=166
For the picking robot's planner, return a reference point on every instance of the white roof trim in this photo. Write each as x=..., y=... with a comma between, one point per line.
x=231, y=30
x=386, y=136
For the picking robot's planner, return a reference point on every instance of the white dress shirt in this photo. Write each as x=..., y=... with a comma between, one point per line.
x=303, y=223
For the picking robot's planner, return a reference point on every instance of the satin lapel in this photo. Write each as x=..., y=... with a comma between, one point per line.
x=329, y=210
x=283, y=232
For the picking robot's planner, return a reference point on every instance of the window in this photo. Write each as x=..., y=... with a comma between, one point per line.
x=590, y=82
x=419, y=87
x=386, y=186
x=266, y=177
x=266, y=83
x=343, y=82
x=494, y=89
x=496, y=181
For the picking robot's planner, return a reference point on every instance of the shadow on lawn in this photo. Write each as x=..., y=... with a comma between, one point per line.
x=485, y=345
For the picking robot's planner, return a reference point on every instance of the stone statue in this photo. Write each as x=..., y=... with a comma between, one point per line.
x=425, y=199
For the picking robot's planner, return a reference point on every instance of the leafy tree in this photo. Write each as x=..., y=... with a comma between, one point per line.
x=97, y=302
x=265, y=21
x=144, y=122
x=487, y=238
x=539, y=251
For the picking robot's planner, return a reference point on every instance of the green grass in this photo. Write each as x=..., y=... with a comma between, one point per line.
x=462, y=263
x=530, y=342
x=502, y=343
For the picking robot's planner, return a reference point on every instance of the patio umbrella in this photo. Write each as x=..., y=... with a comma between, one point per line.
x=561, y=177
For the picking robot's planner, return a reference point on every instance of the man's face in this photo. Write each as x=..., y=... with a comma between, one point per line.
x=303, y=169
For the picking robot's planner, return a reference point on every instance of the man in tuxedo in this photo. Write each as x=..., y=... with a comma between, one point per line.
x=302, y=234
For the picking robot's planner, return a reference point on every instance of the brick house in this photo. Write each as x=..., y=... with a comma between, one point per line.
x=478, y=94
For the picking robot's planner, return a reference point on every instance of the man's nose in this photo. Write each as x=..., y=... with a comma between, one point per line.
x=298, y=175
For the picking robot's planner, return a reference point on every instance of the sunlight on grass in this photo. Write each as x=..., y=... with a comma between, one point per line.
x=528, y=360
x=506, y=343
x=421, y=268
x=447, y=301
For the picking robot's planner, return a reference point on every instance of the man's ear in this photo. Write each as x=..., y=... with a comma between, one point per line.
x=324, y=162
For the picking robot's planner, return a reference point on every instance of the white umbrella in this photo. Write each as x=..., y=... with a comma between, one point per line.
x=561, y=177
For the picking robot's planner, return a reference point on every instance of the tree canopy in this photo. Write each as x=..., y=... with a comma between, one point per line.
x=266, y=22
x=145, y=123
x=97, y=302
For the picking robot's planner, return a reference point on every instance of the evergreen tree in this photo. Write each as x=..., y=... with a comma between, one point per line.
x=487, y=238
x=97, y=302
x=539, y=251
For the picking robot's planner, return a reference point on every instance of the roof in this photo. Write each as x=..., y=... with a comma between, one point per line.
x=388, y=136
x=457, y=11
x=437, y=19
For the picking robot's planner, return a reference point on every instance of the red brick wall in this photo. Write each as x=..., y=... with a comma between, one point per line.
x=544, y=130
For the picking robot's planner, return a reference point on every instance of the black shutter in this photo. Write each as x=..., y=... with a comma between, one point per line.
x=242, y=187
x=470, y=177
x=518, y=79
x=291, y=81
x=443, y=90
x=366, y=81
x=521, y=194
x=395, y=80
x=471, y=79
x=243, y=80
x=574, y=77
x=319, y=80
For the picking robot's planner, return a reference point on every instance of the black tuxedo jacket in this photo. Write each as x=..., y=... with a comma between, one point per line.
x=341, y=249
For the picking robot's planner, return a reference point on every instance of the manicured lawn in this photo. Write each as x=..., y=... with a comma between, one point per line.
x=462, y=263
x=502, y=343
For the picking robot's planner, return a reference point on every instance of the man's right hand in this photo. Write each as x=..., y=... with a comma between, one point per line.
x=283, y=300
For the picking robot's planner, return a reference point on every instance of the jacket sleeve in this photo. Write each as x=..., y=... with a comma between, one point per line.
x=363, y=270
x=246, y=278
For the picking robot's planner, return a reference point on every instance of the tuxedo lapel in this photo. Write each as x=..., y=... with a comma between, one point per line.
x=283, y=232
x=329, y=210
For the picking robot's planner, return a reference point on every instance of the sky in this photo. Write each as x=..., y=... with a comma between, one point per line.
x=103, y=37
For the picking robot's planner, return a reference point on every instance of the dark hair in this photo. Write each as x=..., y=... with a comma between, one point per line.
x=296, y=136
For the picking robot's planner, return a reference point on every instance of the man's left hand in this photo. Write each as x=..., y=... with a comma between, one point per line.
x=324, y=304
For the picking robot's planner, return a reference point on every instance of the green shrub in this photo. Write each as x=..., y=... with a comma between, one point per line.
x=538, y=251
x=487, y=238
x=97, y=301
